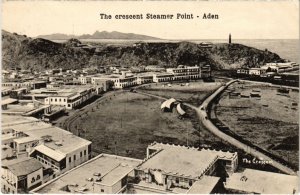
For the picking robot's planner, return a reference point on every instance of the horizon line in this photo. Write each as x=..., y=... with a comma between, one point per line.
x=171, y=39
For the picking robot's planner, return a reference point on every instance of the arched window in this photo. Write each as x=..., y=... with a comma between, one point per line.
x=38, y=177
x=32, y=180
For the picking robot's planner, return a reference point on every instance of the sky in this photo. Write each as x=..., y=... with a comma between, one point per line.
x=244, y=20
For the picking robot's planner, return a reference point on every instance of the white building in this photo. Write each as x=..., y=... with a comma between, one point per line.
x=281, y=67
x=70, y=97
x=256, y=71
x=185, y=72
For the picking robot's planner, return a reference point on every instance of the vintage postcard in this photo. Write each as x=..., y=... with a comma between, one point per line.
x=150, y=97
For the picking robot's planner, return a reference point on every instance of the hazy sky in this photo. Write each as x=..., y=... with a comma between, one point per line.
x=244, y=20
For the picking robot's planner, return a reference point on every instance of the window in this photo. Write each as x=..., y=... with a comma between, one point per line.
x=102, y=190
x=84, y=152
x=55, y=100
x=51, y=100
x=74, y=157
x=177, y=180
x=70, y=159
x=64, y=100
x=32, y=180
x=59, y=100
x=38, y=177
x=80, y=154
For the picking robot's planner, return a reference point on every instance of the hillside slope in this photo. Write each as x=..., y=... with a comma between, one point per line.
x=39, y=54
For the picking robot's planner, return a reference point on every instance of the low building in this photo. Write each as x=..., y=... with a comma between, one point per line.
x=69, y=96
x=206, y=45
x=281, y=67
x=28, y=84
x=243, y=71
x=104, y=174
x=175, y=169
x=185, y=72
x=252, y=181
x=123, y=82
x=19, y=176
x=256, y=71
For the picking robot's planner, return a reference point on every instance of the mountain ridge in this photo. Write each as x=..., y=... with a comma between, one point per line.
x=99, y=35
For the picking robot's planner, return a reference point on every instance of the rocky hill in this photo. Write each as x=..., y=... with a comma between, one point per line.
x=39, y=54
x=99, y=35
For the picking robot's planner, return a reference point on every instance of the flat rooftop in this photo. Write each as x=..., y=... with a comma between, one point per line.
x=204, y=186
x=10, y=120
x=18, y=108
x=180, y=161
x=255, y=181
x=36, y=129
x=112, y=169
x=65, y=90
x=23, y=166
x=8, y=101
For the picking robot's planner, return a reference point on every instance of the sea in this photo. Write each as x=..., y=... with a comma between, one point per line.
x=286, y=48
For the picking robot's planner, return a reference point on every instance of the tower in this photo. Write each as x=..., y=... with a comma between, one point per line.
x=229, y=41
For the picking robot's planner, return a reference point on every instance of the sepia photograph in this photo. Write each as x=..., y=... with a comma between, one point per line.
x=150, y=97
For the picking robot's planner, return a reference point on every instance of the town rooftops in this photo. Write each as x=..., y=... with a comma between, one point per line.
x=262, y=182
x=61, y=140
x=112, y=169
x=23, y=166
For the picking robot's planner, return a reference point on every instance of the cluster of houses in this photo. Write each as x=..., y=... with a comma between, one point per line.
x=269, y=68
x=34, y=152
x=48, y=94
x=129, y=79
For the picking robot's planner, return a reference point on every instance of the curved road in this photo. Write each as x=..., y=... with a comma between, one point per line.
x=203, y=116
